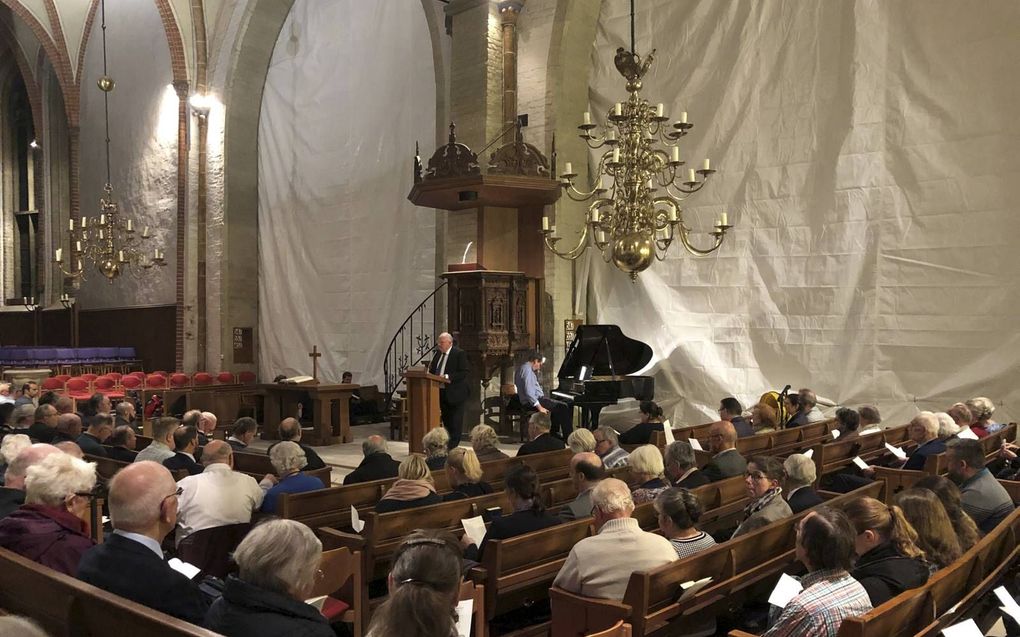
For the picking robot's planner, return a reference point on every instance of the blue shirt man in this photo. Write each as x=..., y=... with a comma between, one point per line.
x=530, y=393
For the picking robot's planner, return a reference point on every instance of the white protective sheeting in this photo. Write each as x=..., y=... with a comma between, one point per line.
x=867, y=154
x=343, y=256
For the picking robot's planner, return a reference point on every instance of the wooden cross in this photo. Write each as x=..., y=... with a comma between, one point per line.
x=314, y=355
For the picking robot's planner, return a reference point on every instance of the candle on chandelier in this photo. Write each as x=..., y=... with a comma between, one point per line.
x=77, y=246
x=676, y=155
x=145, y=233
x=618, y=109
x=102, y=220
x=595, y=216
x=611, y=136
x=707, y=165
x=130, y=226
x=120, y=257
x=545, y=223
x=587, y=117
x=24, y=300
x=552, y=230
x=672, y=214
x=616, y=155
x=569, y=170
x=84, y=222
x=649, y=185
x=155, y=254
x=101, y=235
x=57, y=256
x=683, y=117
x=723, y=220
x=691, y=176
x=70, y=225
x=31, y=300
x=659, y=110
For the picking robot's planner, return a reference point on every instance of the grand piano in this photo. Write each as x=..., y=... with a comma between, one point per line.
x=595, y=371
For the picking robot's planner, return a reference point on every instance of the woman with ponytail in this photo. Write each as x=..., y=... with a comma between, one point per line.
x=888, y=558
x=424, y=584
x=651, y=420
x=522, y=489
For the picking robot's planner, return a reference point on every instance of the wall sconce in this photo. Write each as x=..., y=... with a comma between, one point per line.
x=200, y=104
x=33, y=144
x=29, y=303
x=67, y=301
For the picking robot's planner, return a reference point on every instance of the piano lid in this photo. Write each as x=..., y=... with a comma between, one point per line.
x=603, y=350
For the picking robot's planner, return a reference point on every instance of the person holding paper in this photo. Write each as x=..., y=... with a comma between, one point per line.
x=529, y=514
x=727, y=461
x=799, y=484
x=424, y=586
x=681, y=469
x=763, y=478
x=651, y=420
x=279, y=568
x=888, y=558
x=825, y=545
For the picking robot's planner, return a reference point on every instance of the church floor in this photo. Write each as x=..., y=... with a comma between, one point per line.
x=345, y=457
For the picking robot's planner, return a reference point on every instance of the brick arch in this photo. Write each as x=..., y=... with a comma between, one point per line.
x=31, y=85
x=174, y=40
x=60, y=63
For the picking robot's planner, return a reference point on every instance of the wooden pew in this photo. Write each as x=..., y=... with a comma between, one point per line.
x=258, y=465
x=66, y=607
x=343, y=579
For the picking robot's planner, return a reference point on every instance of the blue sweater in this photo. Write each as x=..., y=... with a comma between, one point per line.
x=295, y=483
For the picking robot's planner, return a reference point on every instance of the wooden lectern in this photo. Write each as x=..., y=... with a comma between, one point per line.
x=423, y=398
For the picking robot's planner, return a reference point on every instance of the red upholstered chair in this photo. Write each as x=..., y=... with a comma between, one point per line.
x=108, y=387
x=179, y=380
x=138, y=375
x=161, y=373
x=63, y=378
x=90, y=377
x=202, y=379
x=246, y=378
x=53, y=384
x=155, y=381
x=226, y=378
x=131, y=382
x=78, y=388
x=116, y=376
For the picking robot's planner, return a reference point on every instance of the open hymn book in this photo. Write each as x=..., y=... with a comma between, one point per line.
x=298, y=380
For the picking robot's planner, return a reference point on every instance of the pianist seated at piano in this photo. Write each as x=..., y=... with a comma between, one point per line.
x=532, y=398
x=651, y=420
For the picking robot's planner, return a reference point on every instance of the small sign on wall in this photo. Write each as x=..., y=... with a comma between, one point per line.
x=570, y=330
x=244, y=347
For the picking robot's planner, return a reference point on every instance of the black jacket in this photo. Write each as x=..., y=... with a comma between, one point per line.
x=640, y=434
x=91, y=445
x=885, y=574
x=121, y=453
x=696, y=478
x=312, y=459
x=375, y=466
x=10, y=500
x=41, y=432
x=803, y=499
x=130, y=569
x=545, y=442
x=435, y=463
x=457, y=368
x=468, y=490
x=181, y=461
x=249, y=611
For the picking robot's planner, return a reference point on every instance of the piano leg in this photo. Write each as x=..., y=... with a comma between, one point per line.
x=590, y=416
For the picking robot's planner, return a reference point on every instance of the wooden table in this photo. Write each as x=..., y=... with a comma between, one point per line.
x=330, y=414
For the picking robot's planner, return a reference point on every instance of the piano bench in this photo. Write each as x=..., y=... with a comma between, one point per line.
x=514, y=416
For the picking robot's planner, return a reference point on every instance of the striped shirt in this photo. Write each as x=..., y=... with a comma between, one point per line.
x=829, y=596
x=687, y=546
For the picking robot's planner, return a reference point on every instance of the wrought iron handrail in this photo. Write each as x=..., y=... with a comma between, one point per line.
x=412, y=343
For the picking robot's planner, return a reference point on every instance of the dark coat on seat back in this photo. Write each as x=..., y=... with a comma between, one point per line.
x=249, y=611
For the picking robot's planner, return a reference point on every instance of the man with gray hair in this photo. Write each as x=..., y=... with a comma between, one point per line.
x=12, y=495
x=288, y=459
x=377, y=463
x=600, y=566
x=206, y=426
x=681, y=468
x=162, y=445
x=607, y=445
x=218, y=496
x=451, y=362
x=45, y=425
x=540, y=440
x=290, y=429
x=143, y=509
x=799, y=484
x=22, y=418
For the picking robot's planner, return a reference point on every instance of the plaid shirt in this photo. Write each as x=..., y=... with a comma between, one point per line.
x=828, y=597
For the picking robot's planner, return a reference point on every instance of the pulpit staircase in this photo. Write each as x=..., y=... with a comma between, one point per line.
x=414, y=342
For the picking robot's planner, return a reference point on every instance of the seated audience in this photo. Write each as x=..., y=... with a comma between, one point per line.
x=888, y=558
x=288, y=459
x=207, y=425
x=981, y=409
x=731, y=411
x=585, y=472
x=290, y=429
x=848, y=423
x=424, y=586
x=5, y=394
x=947, y=426
x=12, y=445
x=762, y=479
x=800, y=475
x=68, y=428
x=130, y=563
x=29, y=394
x=100, y=428
x=278, y=564
x=791, y=406
x=126, y=416
x=540, y=440
x=484, y=441
x=436, y=444
x=22, y=418
x=99, y=403
x=64, y=404
x=242, y=433
x=961, y=415
x=681, y=471
x=218, y=496
x=679, y=511
x=983, y=498
x=162, y=445
x=522, y=489
x=413, y=488
x=764, y=419
x=601, y=565
x=581, y=440
x=607, y=446
x=646, y=470
x=185, y=444
x=924, y=430
x=825, y=545
x=935, y=535
x=726, y=461
x=45, y=425
x=12, y=495
x=376, y=465
x=948, y=493
x=809, y=401
x=651, y=420
x=122, y=442
x=70, y=448
x=870, y=417
x=798, y=418
x=50, y=527
x=465, y=475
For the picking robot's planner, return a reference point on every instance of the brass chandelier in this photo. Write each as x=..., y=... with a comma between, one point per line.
x=638, y=216
x=107, y=241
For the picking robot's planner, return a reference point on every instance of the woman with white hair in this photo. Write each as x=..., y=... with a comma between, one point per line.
x=288, y=458
x=947, y=426
x=13, y=444
x=278, y=567
x=436, y=444
x=51, y=528
x=484, y=441
x=581, y=440
x=799, y=484
x=981, y=409
x=646, y=468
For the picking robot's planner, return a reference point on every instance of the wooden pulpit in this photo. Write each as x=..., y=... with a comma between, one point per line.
x=423, y=400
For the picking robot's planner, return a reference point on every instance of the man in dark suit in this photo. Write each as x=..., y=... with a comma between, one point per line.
x=730, y=410
x=727, y=461
x=130, y=563
x=290, y=429
x=541, y=440
x=185, y=443
x=45, y=425
x=586, y=472
x=100, y=428
x=680, y=467
x=797, y=487
x=122, y=444
x=376, y=465
x=452, y=362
